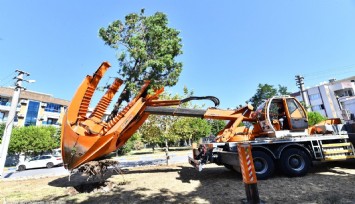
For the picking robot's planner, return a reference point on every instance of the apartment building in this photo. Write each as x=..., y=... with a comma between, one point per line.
x=333, y=99
x=33, y=108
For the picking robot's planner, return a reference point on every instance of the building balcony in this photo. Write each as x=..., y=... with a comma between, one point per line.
x=51, y=115
x=20, y=115
x=342, y=85
x=5, y=107
x=24, y=101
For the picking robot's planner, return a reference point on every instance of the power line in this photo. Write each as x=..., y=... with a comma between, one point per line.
x=331, y=70
x=8, y=82
x=8, y=78
x=330, y=74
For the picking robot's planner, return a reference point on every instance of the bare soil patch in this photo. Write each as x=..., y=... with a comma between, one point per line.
x=326, y=183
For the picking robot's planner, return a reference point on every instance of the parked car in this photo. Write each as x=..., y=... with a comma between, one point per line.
x=39, y=162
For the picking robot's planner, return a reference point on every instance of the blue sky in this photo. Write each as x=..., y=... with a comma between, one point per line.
x=229, y=46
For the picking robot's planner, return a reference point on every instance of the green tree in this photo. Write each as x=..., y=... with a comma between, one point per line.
x=147, y=50
x=134, y=143
x=157, y=128
x=33, y=139
x=265, y=91
x=2, y=130
x=216, y=126
x=191, y=129
x=283, y=90
x=151, y=130
x=314, y=118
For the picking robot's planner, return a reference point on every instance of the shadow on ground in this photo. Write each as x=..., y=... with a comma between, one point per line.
x=219, y=185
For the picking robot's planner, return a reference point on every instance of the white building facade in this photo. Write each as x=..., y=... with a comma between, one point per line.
x=334, y=99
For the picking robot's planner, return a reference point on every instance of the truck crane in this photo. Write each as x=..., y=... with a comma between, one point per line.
x=277, y=130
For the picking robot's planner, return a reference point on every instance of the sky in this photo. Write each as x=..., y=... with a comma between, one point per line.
x=229, y=47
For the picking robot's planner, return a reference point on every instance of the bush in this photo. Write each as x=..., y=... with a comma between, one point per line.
x=314, y=118
x=134, y=143
x=126, y=148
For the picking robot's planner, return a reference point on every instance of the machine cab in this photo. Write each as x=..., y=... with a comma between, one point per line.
x=282, y=116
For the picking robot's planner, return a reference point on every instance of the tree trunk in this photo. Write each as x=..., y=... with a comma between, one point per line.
x=124, y=96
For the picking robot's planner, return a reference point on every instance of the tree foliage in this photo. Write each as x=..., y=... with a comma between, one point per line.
x=265, y=91
x=134, y=143
x=216, y=126
x=2, y=130
x=191, y=128
x=34, y=139
x=157, y=128
x=152, y=131
x=147, y=50
x=283, y=90
x=314, y=118
x=160, y=129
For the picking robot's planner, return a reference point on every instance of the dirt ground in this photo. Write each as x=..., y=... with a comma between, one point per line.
x=326, y=183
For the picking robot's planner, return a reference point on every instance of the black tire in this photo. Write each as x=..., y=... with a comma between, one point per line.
x=49, y=165
x=21, y=168
x=294, y=162
x=264, y=165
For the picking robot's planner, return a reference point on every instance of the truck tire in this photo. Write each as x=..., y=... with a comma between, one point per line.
x=294, y=162
x=264, y=165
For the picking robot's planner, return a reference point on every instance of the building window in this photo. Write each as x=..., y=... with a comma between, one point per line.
x=314, y=96
x=52, y=107
x=50, y=121
x=318, y=107
x=2, y=116
x=344, y=92
x=32, y=112
x=4, y=101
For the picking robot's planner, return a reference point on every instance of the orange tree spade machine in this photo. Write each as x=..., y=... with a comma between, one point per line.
x=277, y=131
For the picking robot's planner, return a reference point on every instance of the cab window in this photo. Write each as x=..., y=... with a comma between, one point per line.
x=294, y=109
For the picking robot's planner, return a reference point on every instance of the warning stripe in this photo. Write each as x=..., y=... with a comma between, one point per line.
x=246, y=163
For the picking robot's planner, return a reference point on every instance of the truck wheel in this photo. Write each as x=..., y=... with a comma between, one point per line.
x=263, y=164
x=294, y=162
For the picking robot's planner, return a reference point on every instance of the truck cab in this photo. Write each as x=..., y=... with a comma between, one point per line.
x=282, y=116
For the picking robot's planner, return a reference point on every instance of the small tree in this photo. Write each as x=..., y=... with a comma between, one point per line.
x=314, y=118
x=151, y=131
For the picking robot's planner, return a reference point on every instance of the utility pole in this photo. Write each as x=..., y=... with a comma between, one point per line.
x=10, y=119
x=300, y=84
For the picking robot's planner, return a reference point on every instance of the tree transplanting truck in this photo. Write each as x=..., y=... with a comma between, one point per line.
x=277, y=130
